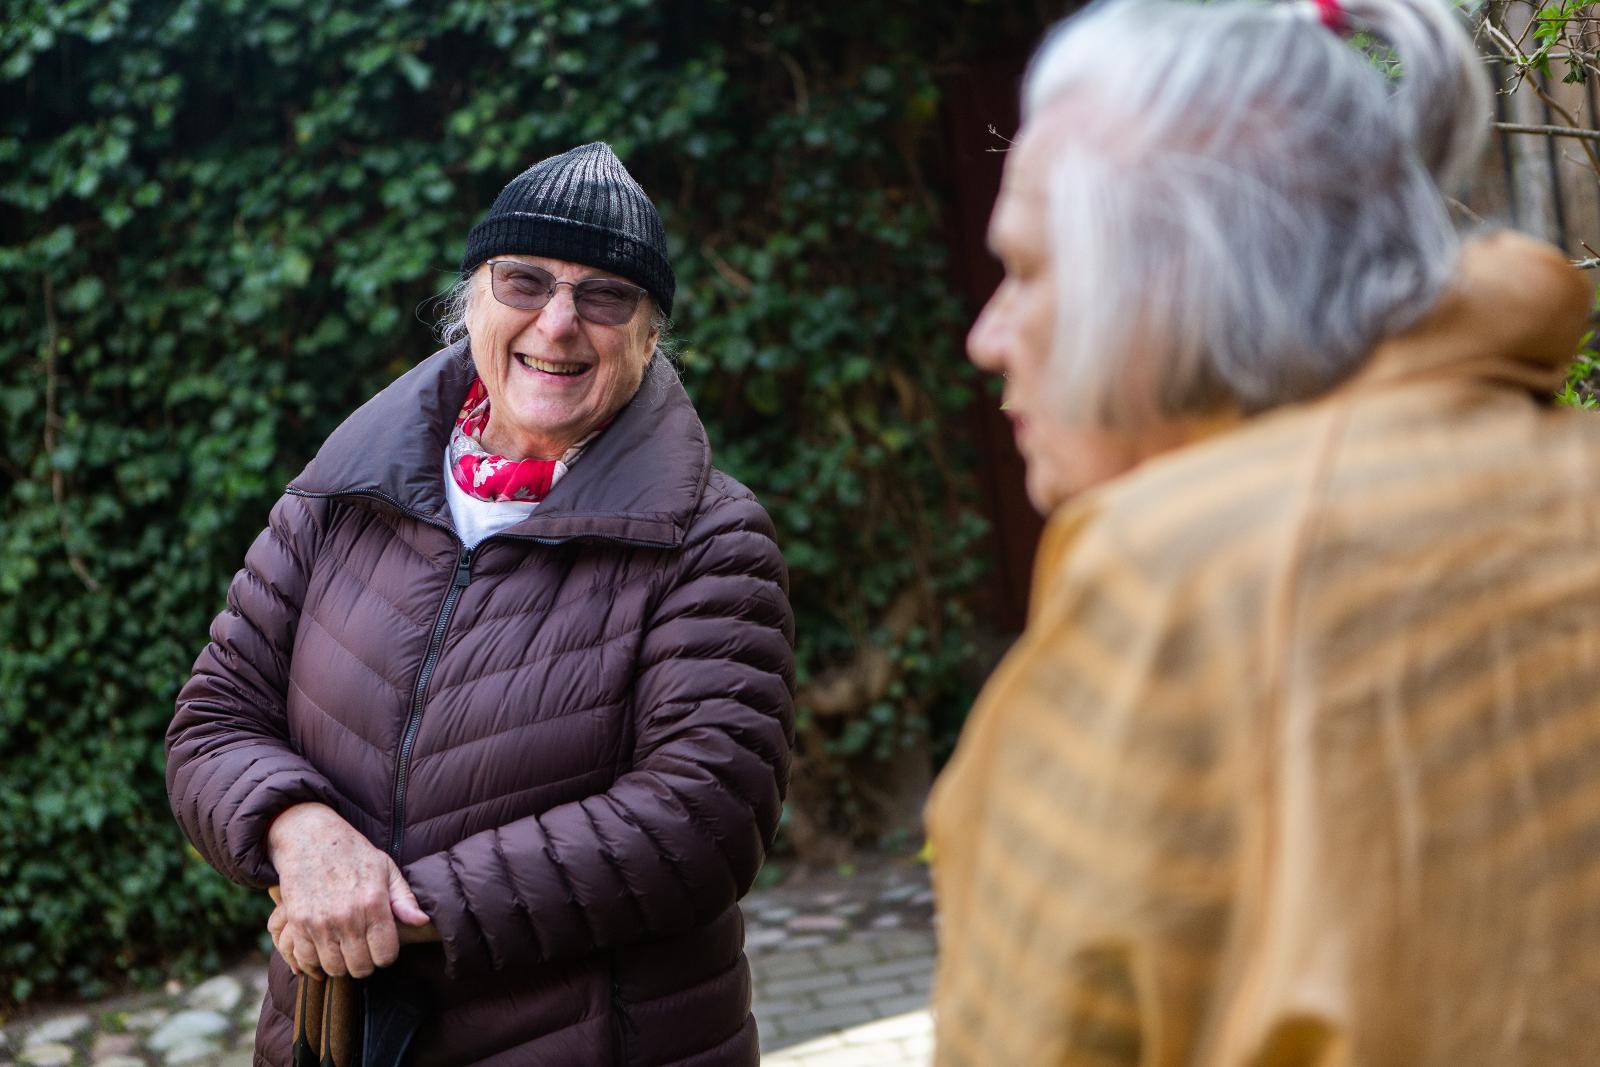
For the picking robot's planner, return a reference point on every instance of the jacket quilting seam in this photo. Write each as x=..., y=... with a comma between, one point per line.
x=716, y=575
x=503, y=798
x=369, y=668
x=320, y=525
x=384, y=517
x=228, y=657
x=740, y=801
x=676, y=658
x=471, y=912
x=434, y=753
x=718, y=613
x=381, y=514
x=562, y=597
x=627, y=815
x=387, y=518
x=687, y=993
x=280, y=571
x=278, y=604
x=555, y=609
x=232, y=662
x=220, y=818
x=694, y=817
x=728, y=512
x=749, y=738
x=609, y=858
x=346, y=727
x=521, y=905
x=239, y=856
x=345, y=571
x=752, y=658
x=554, y=859
x=204, y=818
x=325, y=714
x=696, y=1058
x=543, y=661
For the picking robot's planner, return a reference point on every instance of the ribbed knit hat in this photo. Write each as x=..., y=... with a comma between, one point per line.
x=582, y=206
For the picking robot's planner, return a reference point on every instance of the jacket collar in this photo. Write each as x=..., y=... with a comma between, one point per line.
x=640, y=481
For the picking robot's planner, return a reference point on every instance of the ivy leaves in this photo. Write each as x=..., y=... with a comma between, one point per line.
x=221, y=226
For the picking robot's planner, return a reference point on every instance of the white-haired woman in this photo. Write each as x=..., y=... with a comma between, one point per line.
x=1298, y=761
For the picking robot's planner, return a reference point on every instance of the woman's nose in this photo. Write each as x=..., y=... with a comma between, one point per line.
x=559, y=317
x=986, y=344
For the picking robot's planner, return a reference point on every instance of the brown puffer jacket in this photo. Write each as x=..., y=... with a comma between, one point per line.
x=574, y=739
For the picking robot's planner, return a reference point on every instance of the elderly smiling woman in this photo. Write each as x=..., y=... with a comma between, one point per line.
x=507, y=679
x=1296, y=762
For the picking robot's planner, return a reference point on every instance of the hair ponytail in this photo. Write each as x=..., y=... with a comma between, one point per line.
x=1258, y=206
x=1443, y=91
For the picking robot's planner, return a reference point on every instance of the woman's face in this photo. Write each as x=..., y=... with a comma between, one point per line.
x=553, y=378
x=1014, y=334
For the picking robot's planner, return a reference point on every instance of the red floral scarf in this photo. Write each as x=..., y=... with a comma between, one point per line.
x=495, y=478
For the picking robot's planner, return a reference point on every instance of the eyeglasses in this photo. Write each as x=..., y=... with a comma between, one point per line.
x=605, y=301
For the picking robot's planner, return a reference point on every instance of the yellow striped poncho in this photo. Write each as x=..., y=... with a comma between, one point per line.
x=1298, y=761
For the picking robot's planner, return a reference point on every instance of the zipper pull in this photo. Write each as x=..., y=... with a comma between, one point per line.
x=464, y=569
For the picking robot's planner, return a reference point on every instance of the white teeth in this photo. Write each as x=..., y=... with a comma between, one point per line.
x=551, y=368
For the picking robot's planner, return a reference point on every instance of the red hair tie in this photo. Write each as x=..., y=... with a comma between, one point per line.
x=1333, y=15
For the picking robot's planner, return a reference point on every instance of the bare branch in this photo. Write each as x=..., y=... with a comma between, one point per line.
x=1508, y=47
x=1572, y=123
x=1010, y=144
x=1577, y=132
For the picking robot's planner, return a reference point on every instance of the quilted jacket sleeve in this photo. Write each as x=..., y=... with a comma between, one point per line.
x=677, y=839
x=230, y=767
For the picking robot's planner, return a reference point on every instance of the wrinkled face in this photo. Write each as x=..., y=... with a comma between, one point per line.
x=1014, y=334
x=553, y=378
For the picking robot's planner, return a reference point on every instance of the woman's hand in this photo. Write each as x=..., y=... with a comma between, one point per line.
x=339, y=898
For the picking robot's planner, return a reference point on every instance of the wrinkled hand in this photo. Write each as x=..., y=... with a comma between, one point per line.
x=342, y=904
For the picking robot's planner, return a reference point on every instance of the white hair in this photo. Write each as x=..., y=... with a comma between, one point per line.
x=453, y=306
x=1242, y=204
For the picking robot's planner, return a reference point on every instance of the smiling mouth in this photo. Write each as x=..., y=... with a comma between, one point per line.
x=564, y=370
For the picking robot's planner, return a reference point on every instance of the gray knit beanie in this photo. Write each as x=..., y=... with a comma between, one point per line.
x=582, y=206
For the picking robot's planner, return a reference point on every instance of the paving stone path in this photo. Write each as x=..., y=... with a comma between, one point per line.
x=842, y=967
x=208, y=1025
x=841, y=962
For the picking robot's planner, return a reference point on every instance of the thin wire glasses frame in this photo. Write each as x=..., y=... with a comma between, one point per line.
x=604, y=301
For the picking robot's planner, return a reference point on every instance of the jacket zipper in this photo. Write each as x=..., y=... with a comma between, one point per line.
x=625, y=1024
x=463, y=578
x=408, y=740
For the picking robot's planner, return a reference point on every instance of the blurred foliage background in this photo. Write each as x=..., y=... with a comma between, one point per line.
x=221, y=226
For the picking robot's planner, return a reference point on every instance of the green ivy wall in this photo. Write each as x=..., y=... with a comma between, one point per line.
x=221, y=224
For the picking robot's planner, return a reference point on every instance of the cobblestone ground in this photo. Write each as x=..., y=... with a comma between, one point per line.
x=841, y=965
x=842, y=968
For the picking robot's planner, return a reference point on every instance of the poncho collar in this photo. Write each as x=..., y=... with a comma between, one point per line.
x=1514, y=315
